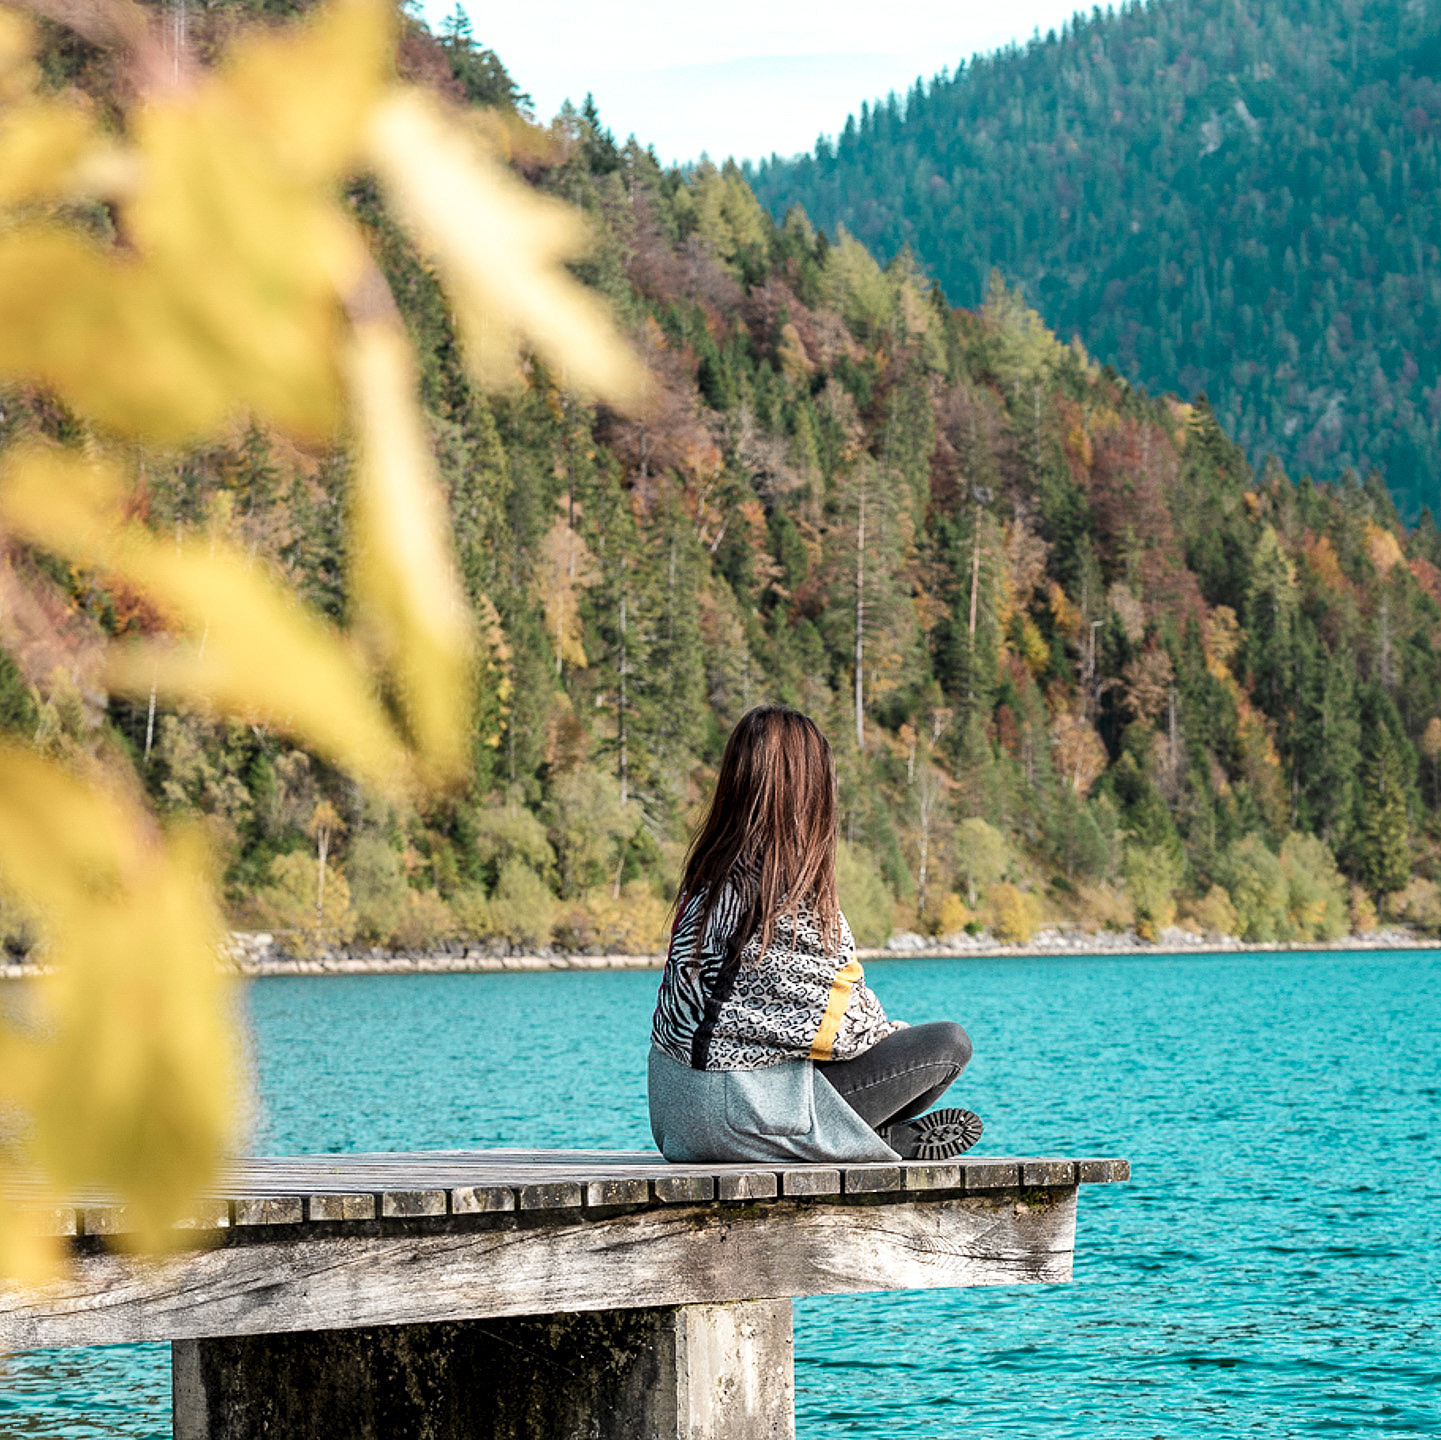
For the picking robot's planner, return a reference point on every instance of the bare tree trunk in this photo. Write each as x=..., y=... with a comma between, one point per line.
x=975, y=572
x=1387, y=678
x=860, y=620
x=624, y=766
x=1093, y=697
x=670, y=596
x=566, y=589
x=1171, y=736
x=150, y=718
x=322, y=849
x=927, y=793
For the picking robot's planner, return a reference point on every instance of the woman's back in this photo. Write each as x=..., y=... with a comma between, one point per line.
x=766, y=1041
x=799, y=997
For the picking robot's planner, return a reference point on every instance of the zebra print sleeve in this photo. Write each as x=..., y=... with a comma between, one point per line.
x=692, y=967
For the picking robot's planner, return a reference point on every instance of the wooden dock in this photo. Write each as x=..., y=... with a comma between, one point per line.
x=549, y=1295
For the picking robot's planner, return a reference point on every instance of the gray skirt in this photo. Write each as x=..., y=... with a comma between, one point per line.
x=784, y=1112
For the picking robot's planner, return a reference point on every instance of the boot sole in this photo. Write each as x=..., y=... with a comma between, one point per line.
x=944, y=1134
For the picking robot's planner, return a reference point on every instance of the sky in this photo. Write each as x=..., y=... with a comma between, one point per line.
x=740, y=78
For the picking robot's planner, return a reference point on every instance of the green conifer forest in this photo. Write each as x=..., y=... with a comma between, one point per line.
x=1077, y=659
x=1217, y=196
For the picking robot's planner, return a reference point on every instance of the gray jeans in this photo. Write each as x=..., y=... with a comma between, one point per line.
x=903, y=1075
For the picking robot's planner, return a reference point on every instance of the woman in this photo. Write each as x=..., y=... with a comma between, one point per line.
x=767, y=1043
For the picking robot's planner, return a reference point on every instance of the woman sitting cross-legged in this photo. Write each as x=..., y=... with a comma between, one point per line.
x=767, y=1043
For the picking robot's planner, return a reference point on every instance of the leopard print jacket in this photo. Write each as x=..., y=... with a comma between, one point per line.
x=796, y=1000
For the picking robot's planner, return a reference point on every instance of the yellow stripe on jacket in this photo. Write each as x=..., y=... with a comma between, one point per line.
x=840, y=997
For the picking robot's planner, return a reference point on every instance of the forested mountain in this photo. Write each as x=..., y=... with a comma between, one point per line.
x=1075, y=658
x=1218, y=196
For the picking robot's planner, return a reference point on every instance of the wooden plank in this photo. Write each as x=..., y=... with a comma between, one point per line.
x=1102, y=1172
x=813, y=1180
x=284, y=1173
x=933, y=1177
x=341, y=1207
x=481, y=1199
x=268, y=1191
x=1048, y=1172
x=684, y=1189
x=746, y=1185
x=397, y=1204
x=872, y=1179
x=601, y=1193
x=120, y=1219
x=452, y=1169
x=207, y=1215
x=667, y=1256
x=106, y=1220
x=558, y=1195
x=982, y=1175
x=269, y=1210
x=51, y=1220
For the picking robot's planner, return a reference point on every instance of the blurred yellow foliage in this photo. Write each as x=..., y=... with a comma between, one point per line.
x=240, y=289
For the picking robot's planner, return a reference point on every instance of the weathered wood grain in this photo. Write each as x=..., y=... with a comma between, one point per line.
x=979, y=1175
x=270, y=1210
x=666, y=1256
x=551, y=1195
x=747, y=1185
x=341, y=1207
x=481, y=1199
x=699, y=1372
x=207, y=1215
x=872, y=1179
x=407, y=1203
x=601, y=1193
x=934, y=1177
x=1048, y=1172
x=106, y=1220
x=1103, y=1172
x=271, y=1191
x=683, y=1189
x=814, y=1180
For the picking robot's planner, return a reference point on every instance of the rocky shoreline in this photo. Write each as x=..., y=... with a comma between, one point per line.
x=259, y=955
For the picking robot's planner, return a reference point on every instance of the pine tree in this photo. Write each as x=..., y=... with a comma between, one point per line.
x=1382, y=845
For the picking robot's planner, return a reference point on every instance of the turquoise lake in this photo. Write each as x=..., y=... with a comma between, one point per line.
x=1272, y=1270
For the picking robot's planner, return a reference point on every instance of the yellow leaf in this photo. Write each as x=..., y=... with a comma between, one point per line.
x=18, y=72
x=411, y=600
x=311, y=87
x=92, y=326
x=128, y=1083
x=248, y=257
x=250, y=649
x=254, y=652
x=41, y=147
x=501, y=249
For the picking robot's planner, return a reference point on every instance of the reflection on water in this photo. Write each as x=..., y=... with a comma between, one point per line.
x=1272, y=1270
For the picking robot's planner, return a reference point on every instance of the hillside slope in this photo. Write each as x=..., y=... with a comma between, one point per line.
x=1221, y=197
x=1075, y=658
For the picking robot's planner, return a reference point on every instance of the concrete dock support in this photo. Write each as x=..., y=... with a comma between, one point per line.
x=689, y=1372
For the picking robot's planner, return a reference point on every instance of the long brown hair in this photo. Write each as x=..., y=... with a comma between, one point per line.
x=773, y=815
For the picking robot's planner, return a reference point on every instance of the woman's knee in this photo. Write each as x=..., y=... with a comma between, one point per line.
x=954, y=1043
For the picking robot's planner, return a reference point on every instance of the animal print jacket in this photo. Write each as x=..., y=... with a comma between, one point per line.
x=796, y=1000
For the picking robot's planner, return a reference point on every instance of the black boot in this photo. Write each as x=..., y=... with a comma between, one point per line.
x=939, y=1135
